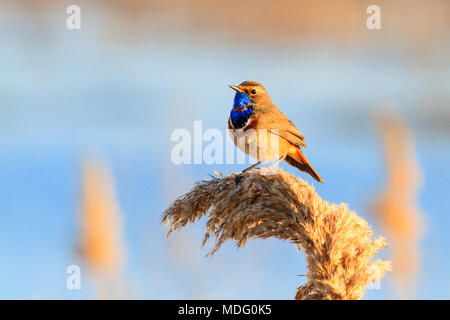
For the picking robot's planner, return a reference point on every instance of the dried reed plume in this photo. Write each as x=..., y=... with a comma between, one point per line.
x=269, y=202
x=101, y=245
x=396, y=207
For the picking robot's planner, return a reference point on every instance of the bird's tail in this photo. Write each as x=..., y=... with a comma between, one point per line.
x=300, y=162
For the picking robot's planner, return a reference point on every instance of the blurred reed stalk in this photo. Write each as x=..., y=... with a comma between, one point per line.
x=396, y=207
x=269, y=202
x=101, y=244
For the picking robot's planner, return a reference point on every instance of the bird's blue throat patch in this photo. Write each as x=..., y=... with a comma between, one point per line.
x=241, y=110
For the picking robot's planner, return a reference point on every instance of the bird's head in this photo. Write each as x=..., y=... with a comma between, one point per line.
x=250, y=91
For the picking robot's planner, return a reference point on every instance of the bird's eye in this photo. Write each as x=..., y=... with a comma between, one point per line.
x=253, y=91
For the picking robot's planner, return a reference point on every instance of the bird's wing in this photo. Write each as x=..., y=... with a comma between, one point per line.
x=277, y=121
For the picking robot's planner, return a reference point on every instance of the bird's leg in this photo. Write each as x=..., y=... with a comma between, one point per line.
x=251, y=167
x=279, y=160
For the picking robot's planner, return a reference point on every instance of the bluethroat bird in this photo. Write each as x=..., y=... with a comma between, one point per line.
x=262, y=131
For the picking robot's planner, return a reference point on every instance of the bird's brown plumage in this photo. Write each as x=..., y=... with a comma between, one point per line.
x=272, y=119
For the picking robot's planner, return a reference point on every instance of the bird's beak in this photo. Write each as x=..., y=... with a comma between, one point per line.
x=236, y=88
